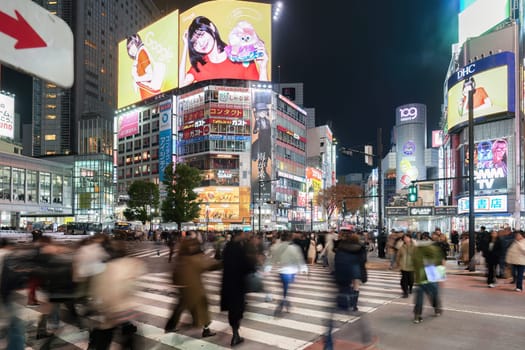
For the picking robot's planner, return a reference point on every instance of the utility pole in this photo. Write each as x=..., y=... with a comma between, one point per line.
x=471, y=223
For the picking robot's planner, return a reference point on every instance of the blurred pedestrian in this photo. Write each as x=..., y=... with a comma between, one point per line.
x=190, y=264
x=12, y=327
x=290, y=259
x=516, y=257
x=237, y=265
x=426, y=254
x=350, y=260
x=116, y=305
x=171, y=238
x=312, y=251
x=492, y=249
x=405, y=262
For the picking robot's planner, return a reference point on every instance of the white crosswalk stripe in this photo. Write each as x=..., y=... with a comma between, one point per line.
x=312, y=304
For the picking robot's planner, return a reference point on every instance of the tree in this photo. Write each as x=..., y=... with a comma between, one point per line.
x=143, y=197
x=332, y=198
x=181, y=203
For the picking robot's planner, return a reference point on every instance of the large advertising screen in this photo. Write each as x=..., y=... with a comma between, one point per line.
x=492, y=79
x=7, y=116
x=261, y=122
x=128, y=124
x=492, y=12
x=148, y=61
x=225, y=40
x=490, y=165
x=224, y=204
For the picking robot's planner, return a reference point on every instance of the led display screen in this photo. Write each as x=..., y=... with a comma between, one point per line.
x=225, y=39
x=128, y=124
x=490, y=164
x=148, y=61
x=492, y=79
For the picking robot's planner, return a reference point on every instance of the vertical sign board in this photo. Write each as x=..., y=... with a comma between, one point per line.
x=36, y=42
x=7, y=116
x=165, y=147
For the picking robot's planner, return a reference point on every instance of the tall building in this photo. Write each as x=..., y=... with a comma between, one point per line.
x=75, y=125
x=97, y=27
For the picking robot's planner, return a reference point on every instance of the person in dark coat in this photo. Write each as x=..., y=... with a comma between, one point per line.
x=350, y=260
x=492, y=250
x=237, y=265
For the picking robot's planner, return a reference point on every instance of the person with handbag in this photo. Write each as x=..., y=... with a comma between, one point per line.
x=191, y=263
x=350, y=271
x=290, y=259
x=236, y=267
x=404, y=260
x=427, y=254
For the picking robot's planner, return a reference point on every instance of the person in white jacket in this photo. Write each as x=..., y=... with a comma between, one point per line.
x=290, y=259
x=516, y=256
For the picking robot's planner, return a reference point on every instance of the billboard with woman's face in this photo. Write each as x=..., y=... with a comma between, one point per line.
x=491, y=79
x=148, y=61
x=225, y=40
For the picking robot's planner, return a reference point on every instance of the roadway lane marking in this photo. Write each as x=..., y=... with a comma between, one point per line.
x=471, y=312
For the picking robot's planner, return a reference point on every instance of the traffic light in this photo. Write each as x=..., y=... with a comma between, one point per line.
x=412, y=193
x=344, y=207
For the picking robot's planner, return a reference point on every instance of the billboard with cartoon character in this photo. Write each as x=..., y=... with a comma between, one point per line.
x=225, y=40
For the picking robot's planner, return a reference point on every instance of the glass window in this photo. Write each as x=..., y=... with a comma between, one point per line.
x=45, y=187
x=57, y=189
x=32, y=186
x=19, y=184
x=5, y=182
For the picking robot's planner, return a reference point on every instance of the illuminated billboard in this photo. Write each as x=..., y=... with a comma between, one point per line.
x=148, y=61
x=484, y=204
x=7, y=116
x=261, y=153
x=128, y=124
x=478, y=16
x=493, y=80
x=225, y=40
x=490, y=164
x=165, y=136
x=224, y=204
x=410, y=134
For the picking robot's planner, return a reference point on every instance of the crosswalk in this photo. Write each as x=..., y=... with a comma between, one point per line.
x=312, y=306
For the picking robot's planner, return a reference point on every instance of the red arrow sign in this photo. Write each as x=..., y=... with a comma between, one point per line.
x=20, y=30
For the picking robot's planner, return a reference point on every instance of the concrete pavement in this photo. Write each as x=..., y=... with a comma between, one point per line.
x=474, y=317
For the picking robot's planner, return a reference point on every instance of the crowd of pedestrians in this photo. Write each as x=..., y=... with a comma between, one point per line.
x=78, y=277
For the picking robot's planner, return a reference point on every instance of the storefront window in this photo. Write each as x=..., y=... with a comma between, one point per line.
x=19, y=182
x=32, y=186
x=45, y=187
x=57, y=189
x=5, y=182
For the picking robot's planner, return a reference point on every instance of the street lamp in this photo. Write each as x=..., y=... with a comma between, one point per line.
x=152, y=210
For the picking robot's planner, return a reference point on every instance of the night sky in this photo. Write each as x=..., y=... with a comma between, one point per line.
x=358, y=60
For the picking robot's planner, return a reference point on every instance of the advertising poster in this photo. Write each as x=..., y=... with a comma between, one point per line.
x=490, y=165
x=128, y=124
x=148, y=61
x=492, y=80
x=7, y=116
x=411, y=142
x=165, y=137
x=261, y=144
x=225, y=40
x=225, y=204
